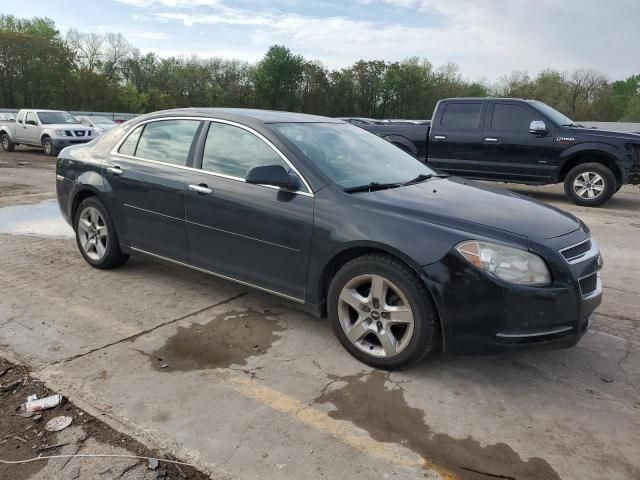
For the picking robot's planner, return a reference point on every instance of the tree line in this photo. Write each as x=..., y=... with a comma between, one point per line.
x=40, y=67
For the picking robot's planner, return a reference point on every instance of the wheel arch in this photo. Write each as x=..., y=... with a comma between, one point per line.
x=84, y=192
x=591, y=155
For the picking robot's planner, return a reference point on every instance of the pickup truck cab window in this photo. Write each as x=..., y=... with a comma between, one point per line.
x=512, y=118
x=31, y=119
x=461, y=116
x=232, y=151
x=20, y=117
x=167, y=141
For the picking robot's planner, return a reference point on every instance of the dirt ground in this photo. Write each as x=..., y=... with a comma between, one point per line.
x=246, y=386
x=25, y=438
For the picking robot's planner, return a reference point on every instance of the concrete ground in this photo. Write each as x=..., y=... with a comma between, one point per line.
x=246, y=386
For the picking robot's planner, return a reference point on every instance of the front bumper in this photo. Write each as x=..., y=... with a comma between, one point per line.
x=61, y=143
x=481, y=314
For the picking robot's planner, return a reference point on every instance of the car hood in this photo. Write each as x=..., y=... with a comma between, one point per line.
x=597, y=133
x=454, y=197
x=66, y=126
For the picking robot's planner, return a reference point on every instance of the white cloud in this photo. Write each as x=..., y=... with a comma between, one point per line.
x=486, y=39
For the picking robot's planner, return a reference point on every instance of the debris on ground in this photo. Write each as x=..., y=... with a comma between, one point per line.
x=33, y=404
x=8, y=387
x=58, y=423
x=153, y=463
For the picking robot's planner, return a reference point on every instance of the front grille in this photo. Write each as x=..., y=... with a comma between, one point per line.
x=577, y=250
x=588, y=284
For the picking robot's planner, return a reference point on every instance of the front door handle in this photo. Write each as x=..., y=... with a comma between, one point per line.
x=491, y=140
x=201, y=189
x=440, y=137
x=115, y=170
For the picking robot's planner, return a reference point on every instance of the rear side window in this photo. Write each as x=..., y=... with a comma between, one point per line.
x=461, y=116
x=20, y=117
x=167, y=141
x=512, y=118
x=231, y=150
x=128, y=147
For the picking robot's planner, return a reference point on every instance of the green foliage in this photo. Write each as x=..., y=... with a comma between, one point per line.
x=41, y=68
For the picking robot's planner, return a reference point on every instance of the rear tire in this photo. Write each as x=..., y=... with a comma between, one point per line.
x=390, y=333
x=49, y=147
x=7, y=144
x=96, y=235
x=590, y=184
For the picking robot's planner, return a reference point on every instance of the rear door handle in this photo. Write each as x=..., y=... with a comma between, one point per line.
x=115, y=170
x=200, y=189
x=440, y=137
x=491, y=140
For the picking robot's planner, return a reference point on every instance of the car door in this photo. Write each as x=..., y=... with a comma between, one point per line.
x=510, y=151
x=148, y=174
x=31, y=131
x=20, y=126
x=455, y=139
x=256, y=234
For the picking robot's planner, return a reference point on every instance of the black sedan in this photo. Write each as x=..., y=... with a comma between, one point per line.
x=400, y=258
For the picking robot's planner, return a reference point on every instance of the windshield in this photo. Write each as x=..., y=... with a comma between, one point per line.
x=102, y=121
x=351, y=156
x=553, y=114
x=56, y=117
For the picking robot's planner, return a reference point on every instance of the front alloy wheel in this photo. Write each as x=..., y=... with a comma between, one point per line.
x=382, y=312
x=590, y=184
x=375, y=316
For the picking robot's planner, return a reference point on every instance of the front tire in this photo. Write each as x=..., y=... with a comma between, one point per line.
x=381, y=312
x=96, y=235
x=590, y=184
x=49, y=147
x=7, y=144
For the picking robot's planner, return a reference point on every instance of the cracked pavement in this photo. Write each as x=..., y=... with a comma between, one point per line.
x=103, y=339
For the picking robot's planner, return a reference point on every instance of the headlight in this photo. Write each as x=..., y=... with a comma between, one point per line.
x=61, y=133
x=509, y=264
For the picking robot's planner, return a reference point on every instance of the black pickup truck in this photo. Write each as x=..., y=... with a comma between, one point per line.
x=521, y=141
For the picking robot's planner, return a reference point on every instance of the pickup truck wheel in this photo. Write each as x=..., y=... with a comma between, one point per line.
x=7, y=144
x=96, y=235
x=381, y=312
x=590, y=184
x=49, y=147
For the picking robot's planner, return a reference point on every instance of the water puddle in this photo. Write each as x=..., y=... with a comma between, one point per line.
x=228, y=339
x=39, y=219
x=366, y=401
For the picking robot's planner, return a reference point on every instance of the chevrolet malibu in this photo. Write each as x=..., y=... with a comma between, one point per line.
x=401, y=258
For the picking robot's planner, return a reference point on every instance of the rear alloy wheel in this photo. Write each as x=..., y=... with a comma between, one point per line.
x=381, y=312
x=96, y=236
x=590, y=184
x=49, y=147
x=7, y=144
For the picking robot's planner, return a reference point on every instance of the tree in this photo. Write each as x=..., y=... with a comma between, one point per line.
x=278, y=77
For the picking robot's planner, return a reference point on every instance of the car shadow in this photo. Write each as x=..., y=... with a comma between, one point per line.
x=620, y=201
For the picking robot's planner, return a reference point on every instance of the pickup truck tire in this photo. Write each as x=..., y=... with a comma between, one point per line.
x=96, y=236
x=7, y=144
x=590, y=184
x=49, y=147
x=392, y=332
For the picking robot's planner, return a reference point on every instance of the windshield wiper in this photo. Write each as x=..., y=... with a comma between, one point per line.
x=372, y=187
x=573, y=125
x=420, y=178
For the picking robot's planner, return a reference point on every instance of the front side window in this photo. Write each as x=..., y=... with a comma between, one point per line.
x=20, y=117
x=31, y=119
x=512, y=118
x=461, y=116
x=167, y=141
x=231, y=150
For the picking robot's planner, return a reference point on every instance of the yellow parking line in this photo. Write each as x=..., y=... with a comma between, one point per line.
x=322, y=422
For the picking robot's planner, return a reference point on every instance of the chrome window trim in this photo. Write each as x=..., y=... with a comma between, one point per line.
x=589, y=254
x=114, y=151
x=219, y=275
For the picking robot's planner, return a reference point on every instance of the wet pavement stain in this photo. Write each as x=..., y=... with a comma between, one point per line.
x=39, y=219
x=365, y=401
x=228, y=339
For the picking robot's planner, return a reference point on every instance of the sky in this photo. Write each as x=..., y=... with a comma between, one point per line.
x=486, y=38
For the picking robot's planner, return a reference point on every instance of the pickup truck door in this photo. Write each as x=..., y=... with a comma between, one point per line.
x=510, y=151
x=455, y=138
x=20, y=126
x=30, y=130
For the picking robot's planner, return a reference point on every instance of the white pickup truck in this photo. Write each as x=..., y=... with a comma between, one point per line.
x=51, y=130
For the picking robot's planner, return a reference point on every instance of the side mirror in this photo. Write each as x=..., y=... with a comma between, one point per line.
x=537, y=127
x=274, y=175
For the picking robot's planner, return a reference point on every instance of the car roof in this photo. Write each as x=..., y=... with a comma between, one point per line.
x=244, y=114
